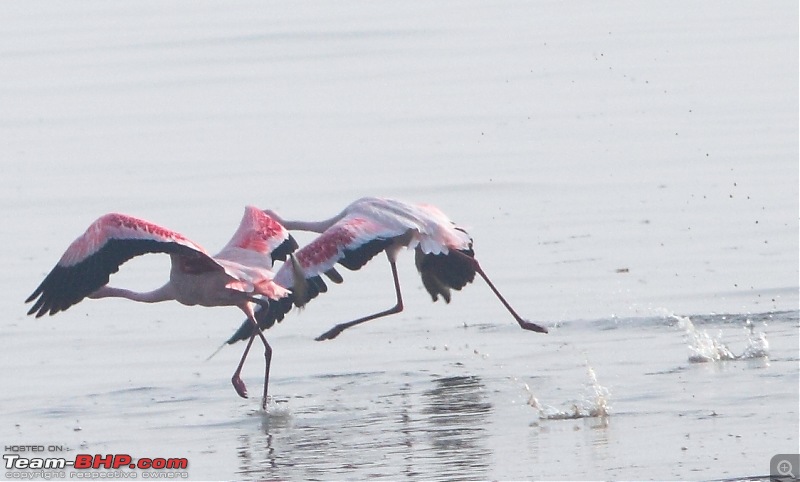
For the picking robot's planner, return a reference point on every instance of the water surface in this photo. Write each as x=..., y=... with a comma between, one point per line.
x=622, y=168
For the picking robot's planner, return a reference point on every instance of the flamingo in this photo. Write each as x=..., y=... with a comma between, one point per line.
x=240, y=275
x=443, y=254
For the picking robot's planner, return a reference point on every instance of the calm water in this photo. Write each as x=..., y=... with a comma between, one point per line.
x=428, y=398
x=629, y=174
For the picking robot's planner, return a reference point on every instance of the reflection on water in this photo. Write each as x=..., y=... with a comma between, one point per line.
x=434, y=432
x=456, y=414
x=404, y=422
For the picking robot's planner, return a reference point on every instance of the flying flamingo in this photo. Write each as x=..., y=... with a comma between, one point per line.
x=443, y=253
x=238, y=276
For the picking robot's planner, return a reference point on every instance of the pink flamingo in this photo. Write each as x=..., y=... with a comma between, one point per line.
x=443, y=253
x=238, y=276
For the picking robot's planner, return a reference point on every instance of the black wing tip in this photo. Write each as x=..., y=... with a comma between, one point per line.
x=334, y=276
x=278, y=309
x=287, y=247
x=354, y=259
x=266, y=319
x=46, y=306
x=34, y=295
x=39, y=308
x=239, y=335
x=40, y=311
x=442, y=272
x=65, y=286
x=38, y=293
x=49, y=299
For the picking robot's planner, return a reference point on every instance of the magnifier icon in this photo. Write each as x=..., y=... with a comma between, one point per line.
x=785, y=468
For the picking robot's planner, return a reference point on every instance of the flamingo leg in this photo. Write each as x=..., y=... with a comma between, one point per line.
x=524, y=324
x=336, y=330
x=267, y=361
x=236, y=379
x=238, y=384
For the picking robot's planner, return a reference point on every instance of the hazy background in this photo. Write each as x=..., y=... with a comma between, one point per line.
x=612, y=160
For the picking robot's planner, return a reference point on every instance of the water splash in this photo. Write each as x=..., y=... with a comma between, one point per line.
x=594, y=405
x=757, y=344
x=600, y=396
x=705, y=349
x=278, y=415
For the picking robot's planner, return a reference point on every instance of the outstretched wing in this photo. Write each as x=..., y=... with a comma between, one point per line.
x=351, y=242
x=259, y=241
x=108, y=243
x=369, y=226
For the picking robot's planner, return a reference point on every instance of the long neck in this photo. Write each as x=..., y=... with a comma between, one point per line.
x=313, y=226
x=165, y=293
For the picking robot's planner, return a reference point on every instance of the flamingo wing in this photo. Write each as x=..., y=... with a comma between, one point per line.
x=444, y=253
x=368, y=227
x=259, y=241
x=351, y=242
x=266, y=317
x=108, y=243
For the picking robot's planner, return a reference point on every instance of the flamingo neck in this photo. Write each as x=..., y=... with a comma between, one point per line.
x=165, y=293
x=313, y=226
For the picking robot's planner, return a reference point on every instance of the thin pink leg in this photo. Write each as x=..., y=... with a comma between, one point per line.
x=238, y=384
x=524, y=324
x=268, y=360
x=336, y=330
